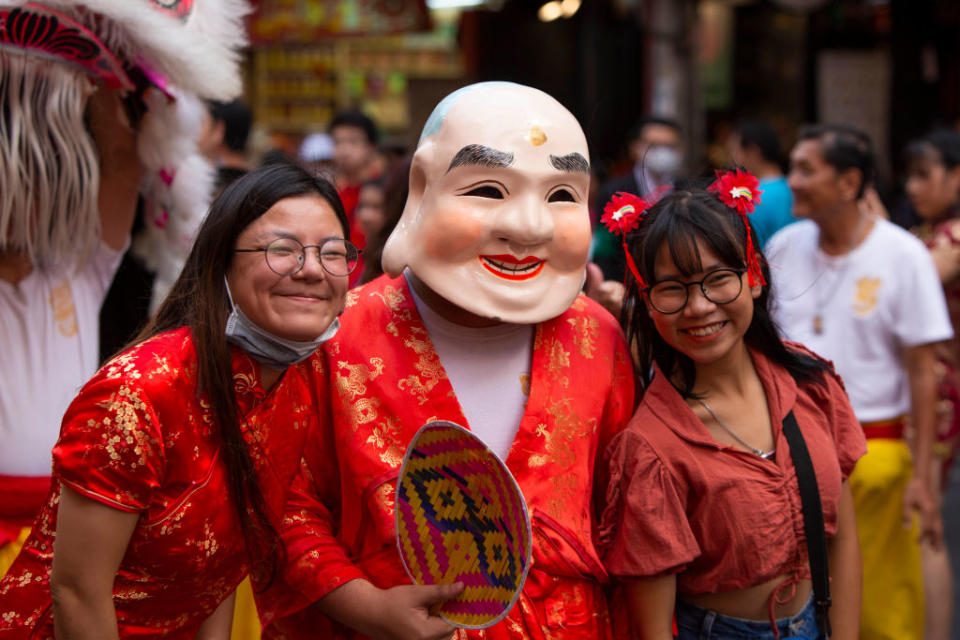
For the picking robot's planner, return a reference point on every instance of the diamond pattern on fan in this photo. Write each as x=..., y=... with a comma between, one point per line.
x=461, y=517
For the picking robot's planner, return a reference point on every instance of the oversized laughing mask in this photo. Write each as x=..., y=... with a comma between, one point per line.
x=496, y=221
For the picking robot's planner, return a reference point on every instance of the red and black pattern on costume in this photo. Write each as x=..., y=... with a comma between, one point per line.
x=44, y=31
x=461, y=517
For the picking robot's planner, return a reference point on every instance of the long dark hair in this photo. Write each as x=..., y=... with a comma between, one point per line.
x=944, y=147
x=677, y=221
x=199, y=300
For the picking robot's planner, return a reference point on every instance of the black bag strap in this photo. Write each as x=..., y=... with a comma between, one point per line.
x=812, y=521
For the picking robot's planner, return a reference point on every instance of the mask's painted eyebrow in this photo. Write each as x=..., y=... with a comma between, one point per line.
x=570, y=163
x=481, y=156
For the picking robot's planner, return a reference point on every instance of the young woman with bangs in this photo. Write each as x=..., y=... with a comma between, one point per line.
x=703, y=513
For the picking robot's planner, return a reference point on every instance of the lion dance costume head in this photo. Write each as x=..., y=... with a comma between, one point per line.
x=168, y=55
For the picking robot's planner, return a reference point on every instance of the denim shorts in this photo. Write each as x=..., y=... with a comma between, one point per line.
x=695, y=623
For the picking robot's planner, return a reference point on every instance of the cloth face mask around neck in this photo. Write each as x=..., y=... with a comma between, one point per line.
x=267, y=348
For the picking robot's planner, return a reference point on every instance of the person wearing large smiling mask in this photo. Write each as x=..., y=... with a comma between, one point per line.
x=496, y=223
x=479, y=321
x=174, y=460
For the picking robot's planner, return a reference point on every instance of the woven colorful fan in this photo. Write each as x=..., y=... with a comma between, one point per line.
x=461, y=517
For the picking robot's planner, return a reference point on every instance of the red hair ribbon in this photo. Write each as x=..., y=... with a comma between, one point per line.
x=622, y=215
x=738, y=190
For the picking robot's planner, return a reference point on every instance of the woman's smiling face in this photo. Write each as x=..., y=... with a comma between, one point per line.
x=703, y=331
x=299, y=306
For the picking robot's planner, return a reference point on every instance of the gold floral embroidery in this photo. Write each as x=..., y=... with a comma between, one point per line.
x=540, y=459
x=564, y=486
x=208, y=545
x=124, y=365
x=585, y=329
x=352, y=297
x=400, y=315
x=244, y=382
x=386, y=437
x=127, y=436
x=537, y=460
x=558, y=362
x=354, y=383
x=568, y=429
x=363, y=411
x=161, y=368
x=427, y=364
x=385, y=496
x=172, y=524
x=392, y=298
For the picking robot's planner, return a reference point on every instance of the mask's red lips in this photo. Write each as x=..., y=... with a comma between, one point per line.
x=510, y=267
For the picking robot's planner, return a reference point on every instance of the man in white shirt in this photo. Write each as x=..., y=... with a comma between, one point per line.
x=49, y=326
x=864, y=293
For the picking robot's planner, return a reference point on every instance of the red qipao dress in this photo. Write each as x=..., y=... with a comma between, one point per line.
x=139, y=438
x=384, y=380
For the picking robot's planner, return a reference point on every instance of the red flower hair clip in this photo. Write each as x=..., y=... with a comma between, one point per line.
x=623, y=214
x=738, y=190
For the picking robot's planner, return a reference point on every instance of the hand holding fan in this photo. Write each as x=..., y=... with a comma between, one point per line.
x=460, y=516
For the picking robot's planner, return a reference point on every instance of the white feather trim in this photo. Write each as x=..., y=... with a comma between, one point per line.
x=178, y=187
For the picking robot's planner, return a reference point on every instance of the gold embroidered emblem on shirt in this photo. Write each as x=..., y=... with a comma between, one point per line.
x=64, y=311
x=865, y=296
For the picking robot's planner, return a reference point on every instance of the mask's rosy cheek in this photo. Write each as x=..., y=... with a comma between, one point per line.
x=450, y=233
x=571, y=242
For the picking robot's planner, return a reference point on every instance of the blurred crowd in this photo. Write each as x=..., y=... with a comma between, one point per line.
x=821, y=223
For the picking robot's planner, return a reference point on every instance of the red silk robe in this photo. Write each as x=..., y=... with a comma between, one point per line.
x=139, y=439
x=381, y=380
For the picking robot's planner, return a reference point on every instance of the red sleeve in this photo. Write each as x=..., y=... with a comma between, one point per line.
x=316, y=562
x=111, y=445
x=643, y=529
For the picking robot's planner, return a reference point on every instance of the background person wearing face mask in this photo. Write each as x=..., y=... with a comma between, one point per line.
x=655, y=145
x=174, y=459
x=481, y=324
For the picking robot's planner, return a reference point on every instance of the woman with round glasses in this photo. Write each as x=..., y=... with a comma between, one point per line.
x=702, y=514
x=174, y=461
